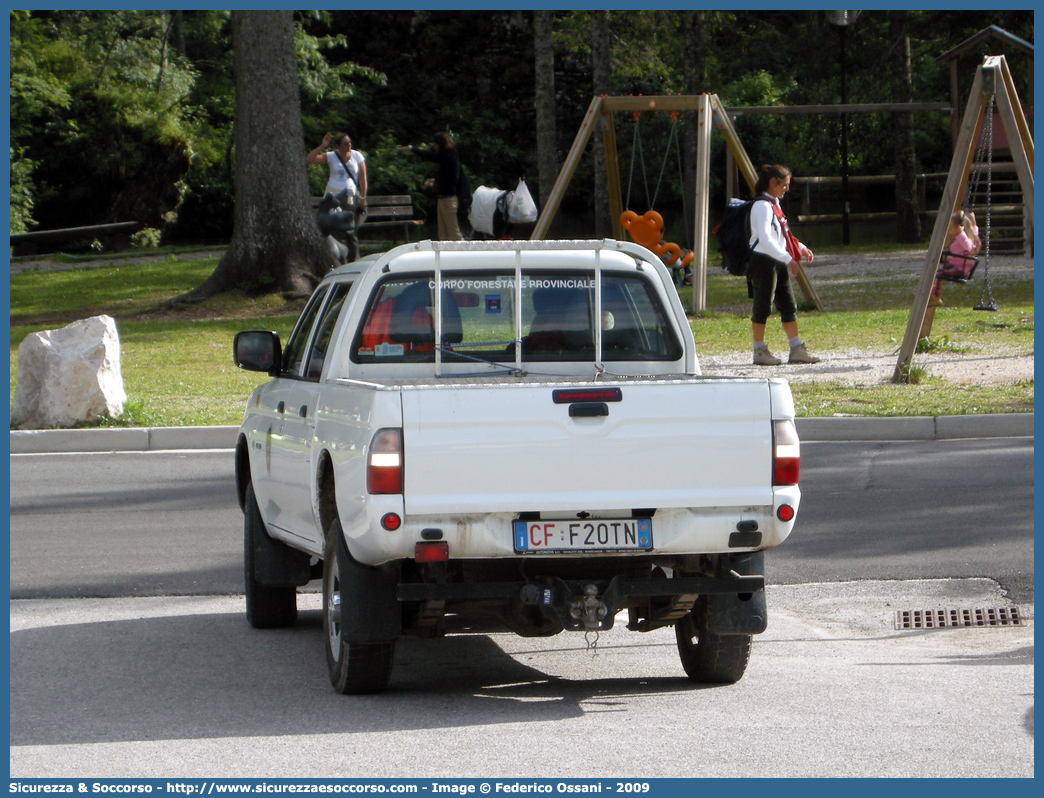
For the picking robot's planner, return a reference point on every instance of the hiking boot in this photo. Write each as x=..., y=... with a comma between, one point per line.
x=763, y=357
x=799, y=354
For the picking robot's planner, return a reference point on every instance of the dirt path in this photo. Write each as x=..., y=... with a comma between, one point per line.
x=863, y=367
x=866, y=367
x=45, y=264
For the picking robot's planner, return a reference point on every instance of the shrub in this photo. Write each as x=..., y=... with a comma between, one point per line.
x=21, y=193
x=149, y=238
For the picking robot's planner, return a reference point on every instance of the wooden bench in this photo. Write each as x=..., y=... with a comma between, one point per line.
x=394, y=211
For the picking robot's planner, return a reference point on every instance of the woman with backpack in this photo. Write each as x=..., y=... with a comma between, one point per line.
x=773, y=260
x=444, y=153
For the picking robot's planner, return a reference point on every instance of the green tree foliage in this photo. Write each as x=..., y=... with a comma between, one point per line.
x=21, y=194
x=127, y=115
x=124, y=110
x=97, y=105
x=468, y=73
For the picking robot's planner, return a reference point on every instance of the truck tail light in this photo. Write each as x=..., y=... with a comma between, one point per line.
x=786, y=453
x=431, y=552
x=384, y=467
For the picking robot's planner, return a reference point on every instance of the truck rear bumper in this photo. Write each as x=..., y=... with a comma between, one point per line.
x=738, y=600
x=626, y=587
x=675, y=531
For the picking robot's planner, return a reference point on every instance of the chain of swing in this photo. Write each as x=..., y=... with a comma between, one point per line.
x=638, y=154
x=984, y=153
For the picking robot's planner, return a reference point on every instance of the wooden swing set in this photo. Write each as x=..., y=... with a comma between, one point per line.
x=992, y=84
x=711, y=113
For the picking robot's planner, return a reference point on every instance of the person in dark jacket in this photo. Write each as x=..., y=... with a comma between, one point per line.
x=443, y=153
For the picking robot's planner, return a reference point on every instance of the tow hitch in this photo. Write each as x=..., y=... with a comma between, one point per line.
x=587, y=609
x=579, y=611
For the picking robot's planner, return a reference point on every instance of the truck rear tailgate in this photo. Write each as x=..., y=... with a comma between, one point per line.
x=684, y=442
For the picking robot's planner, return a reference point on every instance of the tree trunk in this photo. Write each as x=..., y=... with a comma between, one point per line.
x=907, y=218
x=546, y=138
x=276, y=245
x=694, y=63
x=601, y=73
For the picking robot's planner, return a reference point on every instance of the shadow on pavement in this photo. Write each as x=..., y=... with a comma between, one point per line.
x=213, y=675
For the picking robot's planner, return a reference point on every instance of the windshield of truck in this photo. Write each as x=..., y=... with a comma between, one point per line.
x=557, y=319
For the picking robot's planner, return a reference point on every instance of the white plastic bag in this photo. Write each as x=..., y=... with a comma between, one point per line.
x=523, y=209
x=483, y=206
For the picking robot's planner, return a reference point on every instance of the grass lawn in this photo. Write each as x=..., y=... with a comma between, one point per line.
x=177, y=366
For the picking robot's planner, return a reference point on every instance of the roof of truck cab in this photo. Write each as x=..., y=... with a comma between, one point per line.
x=360, y=266
x=459, y=252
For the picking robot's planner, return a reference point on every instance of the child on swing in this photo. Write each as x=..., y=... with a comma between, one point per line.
x=961, y=246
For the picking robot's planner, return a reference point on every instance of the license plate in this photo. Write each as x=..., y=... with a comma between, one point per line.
x=591, y=534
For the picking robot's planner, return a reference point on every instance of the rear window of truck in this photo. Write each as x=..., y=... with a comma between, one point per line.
x=557, y=319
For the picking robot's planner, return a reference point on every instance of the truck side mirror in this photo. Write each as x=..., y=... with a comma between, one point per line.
x=258, y=350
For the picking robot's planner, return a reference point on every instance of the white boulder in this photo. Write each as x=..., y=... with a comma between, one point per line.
x=69, y=375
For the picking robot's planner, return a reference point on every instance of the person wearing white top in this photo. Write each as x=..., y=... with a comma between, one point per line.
x=347, y=171
x=772, y=263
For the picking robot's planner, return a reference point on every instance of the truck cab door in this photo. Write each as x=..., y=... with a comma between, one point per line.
x=295, y=464
x=292, y=459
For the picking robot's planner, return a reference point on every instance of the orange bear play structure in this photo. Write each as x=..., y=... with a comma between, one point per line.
x=647, y=230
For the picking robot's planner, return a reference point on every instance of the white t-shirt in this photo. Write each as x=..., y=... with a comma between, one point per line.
x=339, y=179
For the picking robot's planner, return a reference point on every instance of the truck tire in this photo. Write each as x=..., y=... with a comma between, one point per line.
x=355, y=668
x=267, y=607
x=710, y=658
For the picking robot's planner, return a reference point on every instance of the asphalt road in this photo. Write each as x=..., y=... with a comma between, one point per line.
x=167, y=523
x=179, y=687
x=913, y=510
x=160, y=676
x=125, y=524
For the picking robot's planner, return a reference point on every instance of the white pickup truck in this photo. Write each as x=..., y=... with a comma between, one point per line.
x=515, y=430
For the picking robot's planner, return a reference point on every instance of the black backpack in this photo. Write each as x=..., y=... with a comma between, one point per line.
x=463, y=191
x=734, y=236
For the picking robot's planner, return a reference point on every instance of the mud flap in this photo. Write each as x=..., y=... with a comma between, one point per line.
x=370, y=608
x=739, y=613
x=279, y=565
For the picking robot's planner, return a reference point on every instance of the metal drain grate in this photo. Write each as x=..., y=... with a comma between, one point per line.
x=938, y=619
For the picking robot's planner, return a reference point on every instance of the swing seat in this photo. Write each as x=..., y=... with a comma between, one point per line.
x=956, y=268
